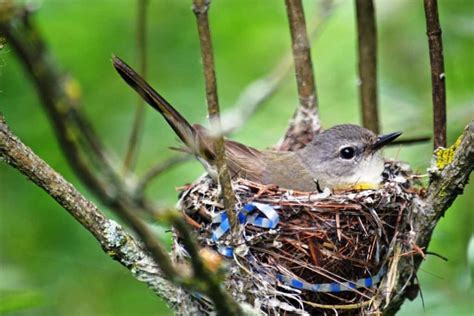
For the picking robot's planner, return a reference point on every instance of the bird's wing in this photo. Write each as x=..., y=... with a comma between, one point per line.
x=244, y=161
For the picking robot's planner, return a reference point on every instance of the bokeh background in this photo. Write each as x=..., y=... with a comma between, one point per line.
x=49, y=265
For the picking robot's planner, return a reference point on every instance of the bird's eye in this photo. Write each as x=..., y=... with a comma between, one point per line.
x=347, y=153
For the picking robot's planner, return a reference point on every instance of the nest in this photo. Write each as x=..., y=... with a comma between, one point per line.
x=327, y=250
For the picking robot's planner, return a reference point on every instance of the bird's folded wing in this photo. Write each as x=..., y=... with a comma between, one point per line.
x=244, y=161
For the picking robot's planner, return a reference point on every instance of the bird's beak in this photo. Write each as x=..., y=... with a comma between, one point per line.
x=383, y=140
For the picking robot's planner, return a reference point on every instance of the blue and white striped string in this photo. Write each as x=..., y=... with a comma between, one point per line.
x=265, y=216
x=334, y=287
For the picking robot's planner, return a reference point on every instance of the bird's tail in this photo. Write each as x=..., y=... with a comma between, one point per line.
x=185, y=131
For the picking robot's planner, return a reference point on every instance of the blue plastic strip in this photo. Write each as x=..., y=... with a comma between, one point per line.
x=242, y=217
x=226, y=251
x=221, y=229
x=269, y=213
x=269, y=220
x=368, y=282
x=296, y=284
x=248, y=207
x=334, y=287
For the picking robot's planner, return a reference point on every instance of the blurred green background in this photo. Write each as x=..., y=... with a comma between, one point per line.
x=49, y=265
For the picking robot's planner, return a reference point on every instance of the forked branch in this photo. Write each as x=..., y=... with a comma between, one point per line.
x=152, y=264
x=450, y=173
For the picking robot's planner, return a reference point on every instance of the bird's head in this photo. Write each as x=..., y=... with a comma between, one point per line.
x=347, y=155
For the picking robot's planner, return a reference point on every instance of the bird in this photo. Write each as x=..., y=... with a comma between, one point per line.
x=343, y=156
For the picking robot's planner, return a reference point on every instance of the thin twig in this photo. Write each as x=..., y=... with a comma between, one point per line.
x=410, y=141
x=137, y=128
x=305, y=120
x=302, y=54
x=157, y=170
x=435, y=42
x=367, y=40
x=200, y=9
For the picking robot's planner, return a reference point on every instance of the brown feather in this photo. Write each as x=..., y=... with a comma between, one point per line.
x=178, y=123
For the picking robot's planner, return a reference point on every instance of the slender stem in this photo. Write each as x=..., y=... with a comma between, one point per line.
x=367, y=41
x=157, y=170
x=435, y=43
x=137, y=128
x=200, y=8
x=305, y=120
x=410, y=140
x=301, y=54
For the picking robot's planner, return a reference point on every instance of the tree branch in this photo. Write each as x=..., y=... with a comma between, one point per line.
x=450, y=173
x=435, y=43
x=111, y=236
x=305, y=120
x=367, y=40
x=116, y=242
x=200, y=9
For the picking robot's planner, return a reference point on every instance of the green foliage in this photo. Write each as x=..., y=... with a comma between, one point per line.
x=19, y=300
x=57, y=268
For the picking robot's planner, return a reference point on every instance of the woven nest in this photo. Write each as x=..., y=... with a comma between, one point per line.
x=328, y=250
